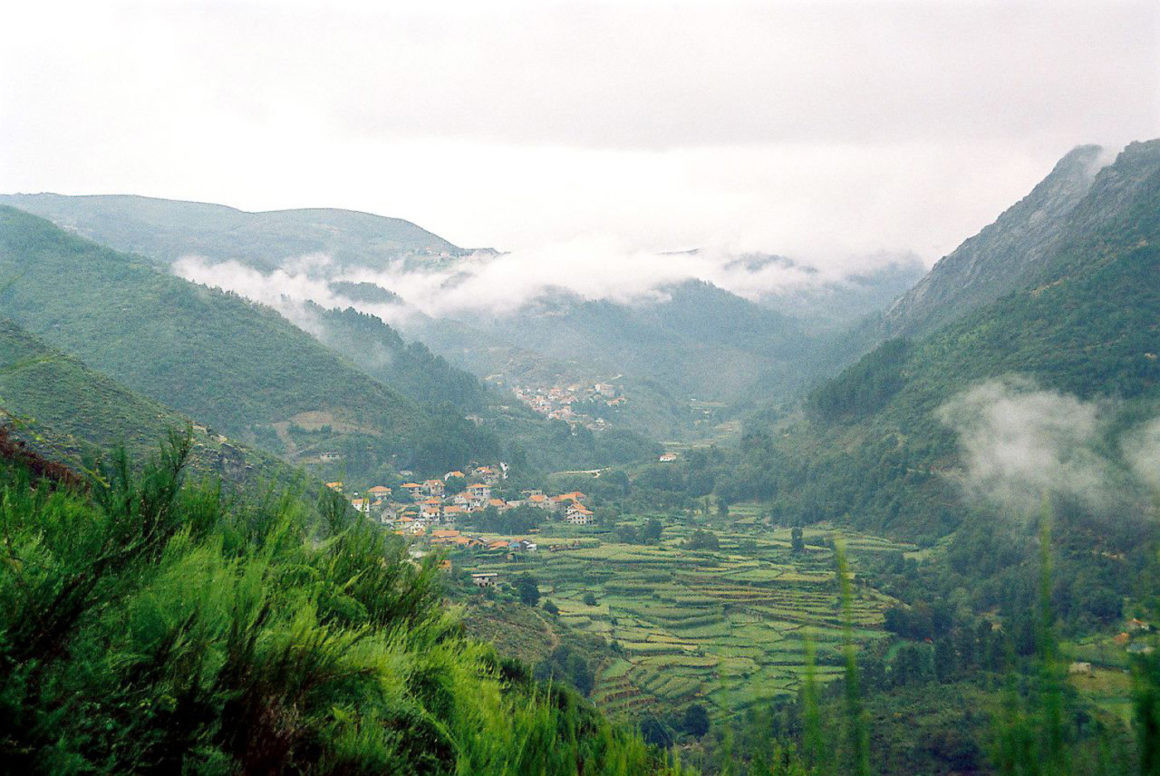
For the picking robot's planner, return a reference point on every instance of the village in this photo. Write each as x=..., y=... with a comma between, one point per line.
x=559, y=402
x=431, y=510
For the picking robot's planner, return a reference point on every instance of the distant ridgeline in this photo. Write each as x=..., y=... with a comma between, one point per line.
x=220, y=359
x=684, y=357
x=166, y=230
x=1080, y=319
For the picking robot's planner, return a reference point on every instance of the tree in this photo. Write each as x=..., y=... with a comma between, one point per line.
x=796, y=542
x=652, y=531
x=703, y=540
x=696, y=720
x=654, y=732
x=590, y=599
x=528, y=589
x=945, y=661
x=550, y=607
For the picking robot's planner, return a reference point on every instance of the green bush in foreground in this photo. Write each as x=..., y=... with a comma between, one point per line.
x=151, y=625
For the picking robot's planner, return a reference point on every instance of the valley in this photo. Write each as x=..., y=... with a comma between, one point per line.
x=729, y=524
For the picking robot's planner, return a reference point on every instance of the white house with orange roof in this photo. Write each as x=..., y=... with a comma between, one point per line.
x=414, y=527
x=486, y=473
x=479, y=493
x=578, y=514
x=378, y=494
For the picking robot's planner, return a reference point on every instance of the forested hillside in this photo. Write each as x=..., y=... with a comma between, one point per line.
x=685, y=354
x=69, y=413
x=696, y=339
x=1002, y=256
x=871, y=447
x=215, y=356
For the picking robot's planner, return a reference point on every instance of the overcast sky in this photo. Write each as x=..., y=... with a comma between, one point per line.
x=820, y=130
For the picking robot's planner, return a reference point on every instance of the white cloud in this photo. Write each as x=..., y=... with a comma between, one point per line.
x=1142, y=451
x=1021, y=445
x=495, y=284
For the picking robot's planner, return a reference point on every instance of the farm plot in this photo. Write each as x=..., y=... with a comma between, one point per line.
x=726, y=628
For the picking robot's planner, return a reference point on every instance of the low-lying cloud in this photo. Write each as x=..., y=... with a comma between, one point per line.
x=1022, y=444
x=497, y=284
x=1142, y=452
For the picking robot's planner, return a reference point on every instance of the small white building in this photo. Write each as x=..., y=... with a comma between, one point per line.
x=484, y=578
x=578, y=514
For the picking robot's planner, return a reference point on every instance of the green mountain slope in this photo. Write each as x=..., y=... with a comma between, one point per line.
x=1000, y=258
x=70, y=413
x=215, y=356
x=381, y=352
x=166, y=230
x=697, y=342
x=871, y=448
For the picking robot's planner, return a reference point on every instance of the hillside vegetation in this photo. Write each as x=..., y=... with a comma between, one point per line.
x=166, y=230
x=71, y=413
x=149, y=626
x=872, y=449
x=215, y=356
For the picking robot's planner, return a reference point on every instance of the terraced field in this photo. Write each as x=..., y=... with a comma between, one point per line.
x=727, y=627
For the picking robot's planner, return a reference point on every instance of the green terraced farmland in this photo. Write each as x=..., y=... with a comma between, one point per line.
x=727, y=628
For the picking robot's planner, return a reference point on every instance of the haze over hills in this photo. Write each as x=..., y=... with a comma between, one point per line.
x=166, y=230
x=1031, y=389
x=675, y=346
x=1079, y=322
x=221, y=359
x=644, y=433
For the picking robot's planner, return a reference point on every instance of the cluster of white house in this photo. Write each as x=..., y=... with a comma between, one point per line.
x=429, y=504
x=556, y=401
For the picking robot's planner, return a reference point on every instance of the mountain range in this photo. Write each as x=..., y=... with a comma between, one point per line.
x=679, y=356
